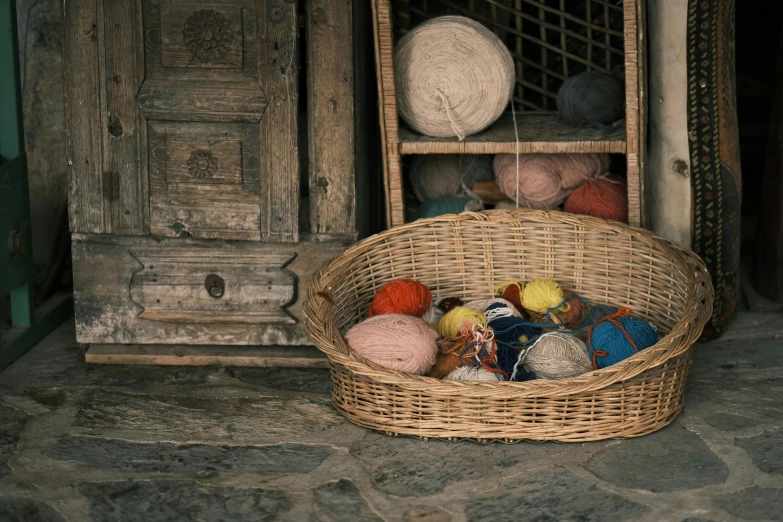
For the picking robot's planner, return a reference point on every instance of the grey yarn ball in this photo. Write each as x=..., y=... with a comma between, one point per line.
x=591, y=98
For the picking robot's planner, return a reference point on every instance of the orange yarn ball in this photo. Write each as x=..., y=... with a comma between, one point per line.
x=401, y=296
x=600, y=198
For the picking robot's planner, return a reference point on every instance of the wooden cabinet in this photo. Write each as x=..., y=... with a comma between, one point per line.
x=185, y=153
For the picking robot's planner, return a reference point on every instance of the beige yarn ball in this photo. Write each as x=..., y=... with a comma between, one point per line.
x=472, y=373
x=558, y=355
x=453, y=76
x=435, y=176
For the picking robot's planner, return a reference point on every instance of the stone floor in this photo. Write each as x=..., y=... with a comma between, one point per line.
x=86, y=442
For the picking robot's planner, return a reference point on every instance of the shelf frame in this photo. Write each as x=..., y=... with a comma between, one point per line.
x=538, y=132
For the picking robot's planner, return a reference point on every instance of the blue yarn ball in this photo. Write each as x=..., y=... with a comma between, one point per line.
x=609, y=338
x=507, y=358
x=438, y=207
x=509, y=329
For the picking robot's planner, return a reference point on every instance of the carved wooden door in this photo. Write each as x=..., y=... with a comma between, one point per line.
x=182, y=118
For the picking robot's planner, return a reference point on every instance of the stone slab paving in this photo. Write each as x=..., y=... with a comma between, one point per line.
x=115, y=443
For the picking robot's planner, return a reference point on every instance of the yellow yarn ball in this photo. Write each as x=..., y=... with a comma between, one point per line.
x=451, y=323
x=540, y=295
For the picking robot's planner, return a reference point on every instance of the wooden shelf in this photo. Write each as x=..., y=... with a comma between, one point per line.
x=540, y=132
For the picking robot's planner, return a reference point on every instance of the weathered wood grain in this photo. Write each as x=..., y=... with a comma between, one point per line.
x=107, y=314
x=278, y=66
x=126, y=129
x=84, y=130
x=257, y=356
x=332, y=184
x=205, y=180
x=239, y=100
x=173, y=286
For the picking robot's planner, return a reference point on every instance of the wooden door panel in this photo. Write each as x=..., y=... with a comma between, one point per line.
x=206, y=64
x=204, y=180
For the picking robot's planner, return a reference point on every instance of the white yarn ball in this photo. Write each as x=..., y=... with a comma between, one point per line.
x=472, y=373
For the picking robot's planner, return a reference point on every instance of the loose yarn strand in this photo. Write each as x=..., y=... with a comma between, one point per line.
x=516, y=145
x=455, y=128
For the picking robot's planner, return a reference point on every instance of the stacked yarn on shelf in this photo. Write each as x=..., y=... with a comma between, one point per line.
x=601, y=198
x=436, y=176
x=544, y=181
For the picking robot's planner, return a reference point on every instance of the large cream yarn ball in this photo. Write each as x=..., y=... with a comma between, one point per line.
x=453, y=76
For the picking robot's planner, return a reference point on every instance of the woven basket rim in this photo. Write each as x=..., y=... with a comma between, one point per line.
x=698, y=308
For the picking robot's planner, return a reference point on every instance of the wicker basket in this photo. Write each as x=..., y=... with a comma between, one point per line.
x=467, y=255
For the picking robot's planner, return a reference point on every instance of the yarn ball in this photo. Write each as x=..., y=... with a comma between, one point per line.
x=512, y=292
x=509, y=329
x=401, y=296
x=600, y=198
x=447, y=303
x=545, y=180
x=591, y=98
x=432, y=315
x=482, y=304
x=609, y=343
x=435, y=176
x=445, y=363
x=595, y=314
x=507, y=357
x=472, y=373
x=459, y=317
x=558, y=355
x=572, y=314
x=453, y=77
x=397, y=342
x=452, y=205
x=541, y=295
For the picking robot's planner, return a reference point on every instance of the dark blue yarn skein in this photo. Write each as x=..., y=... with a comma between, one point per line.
x=507, y=357
x=591, y=98
x=508, y=330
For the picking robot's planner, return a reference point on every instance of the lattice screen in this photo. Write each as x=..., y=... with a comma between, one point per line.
x=550, y=40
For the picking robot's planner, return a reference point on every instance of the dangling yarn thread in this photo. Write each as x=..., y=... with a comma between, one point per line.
x=601, y=198
x=472, y=373
x=401, y=296
x=397, y=342
x=458, y=319
x=557, y=355
x=618, y=337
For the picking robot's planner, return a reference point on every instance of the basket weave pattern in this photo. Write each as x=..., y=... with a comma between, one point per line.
x=467, y=255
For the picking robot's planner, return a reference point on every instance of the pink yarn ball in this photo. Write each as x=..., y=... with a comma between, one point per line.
x=397, y=342
x=545, y=180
